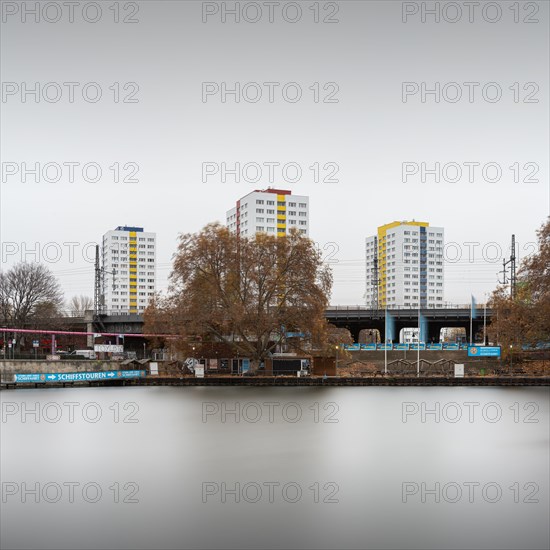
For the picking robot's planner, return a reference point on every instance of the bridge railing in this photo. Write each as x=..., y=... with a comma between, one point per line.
x=446, y=305
x=121, y=312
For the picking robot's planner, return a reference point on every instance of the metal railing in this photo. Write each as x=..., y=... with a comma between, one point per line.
x=446, y=305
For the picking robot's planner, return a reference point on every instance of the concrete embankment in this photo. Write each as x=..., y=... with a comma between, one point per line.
x=170, y=377
x=291, y=381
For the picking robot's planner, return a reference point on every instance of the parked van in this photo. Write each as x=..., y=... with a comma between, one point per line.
x=86, y=353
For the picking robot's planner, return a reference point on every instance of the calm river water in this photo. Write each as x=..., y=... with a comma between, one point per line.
x=372, y=468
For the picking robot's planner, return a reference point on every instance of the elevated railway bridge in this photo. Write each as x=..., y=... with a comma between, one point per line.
x=353, y=318
x=357, y=318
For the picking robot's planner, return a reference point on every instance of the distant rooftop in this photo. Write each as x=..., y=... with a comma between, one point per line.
x=129, y=228
x=275, y=191
x=270, y=190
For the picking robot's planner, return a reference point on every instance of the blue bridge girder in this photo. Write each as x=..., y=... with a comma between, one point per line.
x=354, y=318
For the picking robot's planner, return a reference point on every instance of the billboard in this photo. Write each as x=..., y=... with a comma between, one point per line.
x=108, y=348
x=483, y=351
x=80, y=376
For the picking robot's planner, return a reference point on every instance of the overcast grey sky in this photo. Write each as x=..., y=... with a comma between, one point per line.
x=352, y=112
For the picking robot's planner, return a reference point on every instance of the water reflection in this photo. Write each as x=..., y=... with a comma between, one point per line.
x=275, y=468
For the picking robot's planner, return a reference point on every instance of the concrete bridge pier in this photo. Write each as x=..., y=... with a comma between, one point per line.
x=89, y=320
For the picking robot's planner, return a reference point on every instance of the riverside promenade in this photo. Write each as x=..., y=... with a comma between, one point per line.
x=288, y=381
x=26, y=374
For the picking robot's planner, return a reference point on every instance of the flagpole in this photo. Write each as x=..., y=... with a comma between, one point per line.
x=386, y=335
x=418, y=339
x=485, y=322
x=471, y=308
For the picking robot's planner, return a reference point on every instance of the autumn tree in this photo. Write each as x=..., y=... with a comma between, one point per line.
x=525, y=318
x=163, y=317
x=29, y=295
x=246, y=292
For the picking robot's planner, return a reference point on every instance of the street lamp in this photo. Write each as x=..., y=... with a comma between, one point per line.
x=336, y=357
x=511, y=359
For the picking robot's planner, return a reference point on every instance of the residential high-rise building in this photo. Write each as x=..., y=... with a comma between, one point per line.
x=404, y=263
x=272, y=211
x=129, y=260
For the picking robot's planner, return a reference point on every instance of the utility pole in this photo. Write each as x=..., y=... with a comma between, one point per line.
x=374, y=284
x=512, y=263
x=99, y=284
x=513, y=268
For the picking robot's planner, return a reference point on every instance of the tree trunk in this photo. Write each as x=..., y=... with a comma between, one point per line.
x=254, y=365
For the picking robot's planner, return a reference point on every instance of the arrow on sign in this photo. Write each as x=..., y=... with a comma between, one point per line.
x=111, y=374
x=51, y=377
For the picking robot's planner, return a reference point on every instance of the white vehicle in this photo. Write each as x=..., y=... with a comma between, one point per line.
x=86, y=353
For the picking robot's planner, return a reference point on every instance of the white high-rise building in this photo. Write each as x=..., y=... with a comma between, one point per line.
x=130, y=253
x=404, y=266
x=272, y=211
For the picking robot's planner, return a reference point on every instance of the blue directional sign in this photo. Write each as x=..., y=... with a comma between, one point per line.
x=416, y=347
x=368, y=346
x=451, y=346
x=483, y=351
x=352, y=347
x=435, y=346
x=30, y=378
x=404, y=347
x=384, y=346
x=80, y=376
